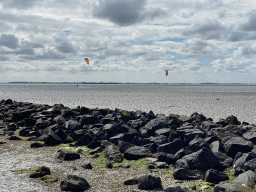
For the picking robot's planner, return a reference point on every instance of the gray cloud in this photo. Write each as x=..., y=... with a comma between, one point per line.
x=9, y=40
x=3, y=58
x=49, y=54
x=66, y=47
x=125, y=12
x=52, y=68
x=19, y=4
x=207, y=30
x=237, y=37
x=250, y=25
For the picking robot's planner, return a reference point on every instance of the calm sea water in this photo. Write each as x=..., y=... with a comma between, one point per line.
x=215, y=101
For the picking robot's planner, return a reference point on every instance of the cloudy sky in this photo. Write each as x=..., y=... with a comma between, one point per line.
x=197, y=41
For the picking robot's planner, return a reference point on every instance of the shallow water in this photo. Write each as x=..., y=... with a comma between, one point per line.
x=215, y=101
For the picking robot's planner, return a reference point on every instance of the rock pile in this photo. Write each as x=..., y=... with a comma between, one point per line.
x=196, y=146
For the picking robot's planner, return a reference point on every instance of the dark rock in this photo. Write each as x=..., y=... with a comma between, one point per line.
x=14, y=137
x=161, y=165
x=74, y=183
x=238, y=171
x=163, y=131
x=248, y=177
x=164, y=157
x=131, y=181
x=128, y=137
x=232, y=120
x=232, y=187
x=237, y=144
x=239, y=162
x=111, y=128
x=101, y=135
x=114, y=156
x=116, y=138
x=153, y=125
x=215, y=176
x=40, y=172
x=52, y=140
x=176, y=189
x=87, y=166
x=123, y=146
x=136, y=152
x=250, y=136
x=84, y=140
x=36, y=145
x=93, y=144
x=136, y=124
x=24, y=132
x=109, y=164
x=185, y=174
x=225, y=160
x=137, y=141
x=146, y=182
x=171, y=148
x=73, y=125
x=66, y=155
x=203, y=159
x=250, y=165
x=172, y=135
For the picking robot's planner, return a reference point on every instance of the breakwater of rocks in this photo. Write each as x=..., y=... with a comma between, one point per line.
x=197, y=147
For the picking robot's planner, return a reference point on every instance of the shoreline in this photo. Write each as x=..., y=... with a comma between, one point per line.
x=124, y=138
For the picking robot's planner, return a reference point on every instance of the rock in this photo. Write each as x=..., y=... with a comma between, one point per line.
x=96, y=150
x=248, y=177
x=36, y=145
x=232, y=187
x=214, y=176
x=136, y=152
x=110, y=128
x=250, y=136
x=116, y=138
x=86, y=139
x=170, y=148
x=153, y=125
x=87, y=166
x=165, y=157
x=131, y=181
x=238, y=171
x=176, y=189
x=250, y=165
x=185, y=174
x=161, y=165
x=14, y=137
x=163, y=131
x=203, y=159
x=123, y=146
x=73, y=125
x=237, y=144
x=52, y=140
x=114, y=156
x=239, y=162
x=40, y=172
x=232, y=120
x=74, y=183
x=109, y=164
x=66, y=155
x=146, y=182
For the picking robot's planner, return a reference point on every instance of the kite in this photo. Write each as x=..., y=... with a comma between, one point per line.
x=87, y=60
x=166, y=72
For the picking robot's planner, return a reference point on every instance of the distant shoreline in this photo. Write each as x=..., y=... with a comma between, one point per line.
x=154, y=83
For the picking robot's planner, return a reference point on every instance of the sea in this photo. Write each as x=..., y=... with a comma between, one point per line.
x=212, y=100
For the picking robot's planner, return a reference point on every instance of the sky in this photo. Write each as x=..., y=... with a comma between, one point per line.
x=197, y=41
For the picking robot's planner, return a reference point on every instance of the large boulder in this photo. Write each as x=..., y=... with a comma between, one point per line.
x=185, y=174
x=136, y=152
x=239, y=162
x=146, y=182
x=123, y=146
x=171, y=148
x=237, y=144
x=248, y=177
x=250, y=136
x=203, y=159
x=250, y=165
x=154, y=125
x=73, y=125
x=232, y=187
x=74, y=183
x=66, y=155
x=212, y=175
